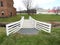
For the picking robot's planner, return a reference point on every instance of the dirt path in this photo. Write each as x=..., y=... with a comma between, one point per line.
x=55, y=24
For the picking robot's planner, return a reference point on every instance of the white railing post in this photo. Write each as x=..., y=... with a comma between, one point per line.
x=50, y=28
x=7, y=30
x=35, y=24
x=22, y=20
x=33, y=21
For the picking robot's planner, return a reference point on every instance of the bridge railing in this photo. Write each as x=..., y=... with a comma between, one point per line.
x=33, y=20
x=41, y=25
x=14, y=27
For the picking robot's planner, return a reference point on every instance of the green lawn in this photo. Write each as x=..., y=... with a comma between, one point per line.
x=43, y=17
x=40, y=17
x=42, y=38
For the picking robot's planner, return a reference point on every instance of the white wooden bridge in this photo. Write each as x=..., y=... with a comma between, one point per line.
x=27, y=24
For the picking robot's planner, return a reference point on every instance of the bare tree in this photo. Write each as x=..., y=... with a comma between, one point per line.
x=57, y=10
x=28, y=5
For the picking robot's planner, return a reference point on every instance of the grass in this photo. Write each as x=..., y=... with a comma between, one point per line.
x=42, y=38
x=10, y=19
x=13, y=18
x=40, y=17
x=47, y=17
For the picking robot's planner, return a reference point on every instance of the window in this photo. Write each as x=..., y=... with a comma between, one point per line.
x=1, y=3
x=10, y=13
x=2, y=12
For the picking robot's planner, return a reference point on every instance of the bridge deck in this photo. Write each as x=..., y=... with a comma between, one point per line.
x=28, y=24
x=28, y=31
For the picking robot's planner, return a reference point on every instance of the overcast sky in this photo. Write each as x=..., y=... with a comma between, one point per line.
x=46, y=4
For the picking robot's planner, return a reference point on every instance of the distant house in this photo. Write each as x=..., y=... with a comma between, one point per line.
x=41, y=11
x=6, y=8
x=52, y=11
x=55, y=10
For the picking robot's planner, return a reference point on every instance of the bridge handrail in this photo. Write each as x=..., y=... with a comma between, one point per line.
x=14, y=27
x=42, y=25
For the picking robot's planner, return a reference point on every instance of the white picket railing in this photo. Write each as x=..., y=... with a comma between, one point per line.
x=42, y=25
x=14, y=27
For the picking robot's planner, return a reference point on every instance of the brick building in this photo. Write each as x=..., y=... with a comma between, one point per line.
x=6, y=8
